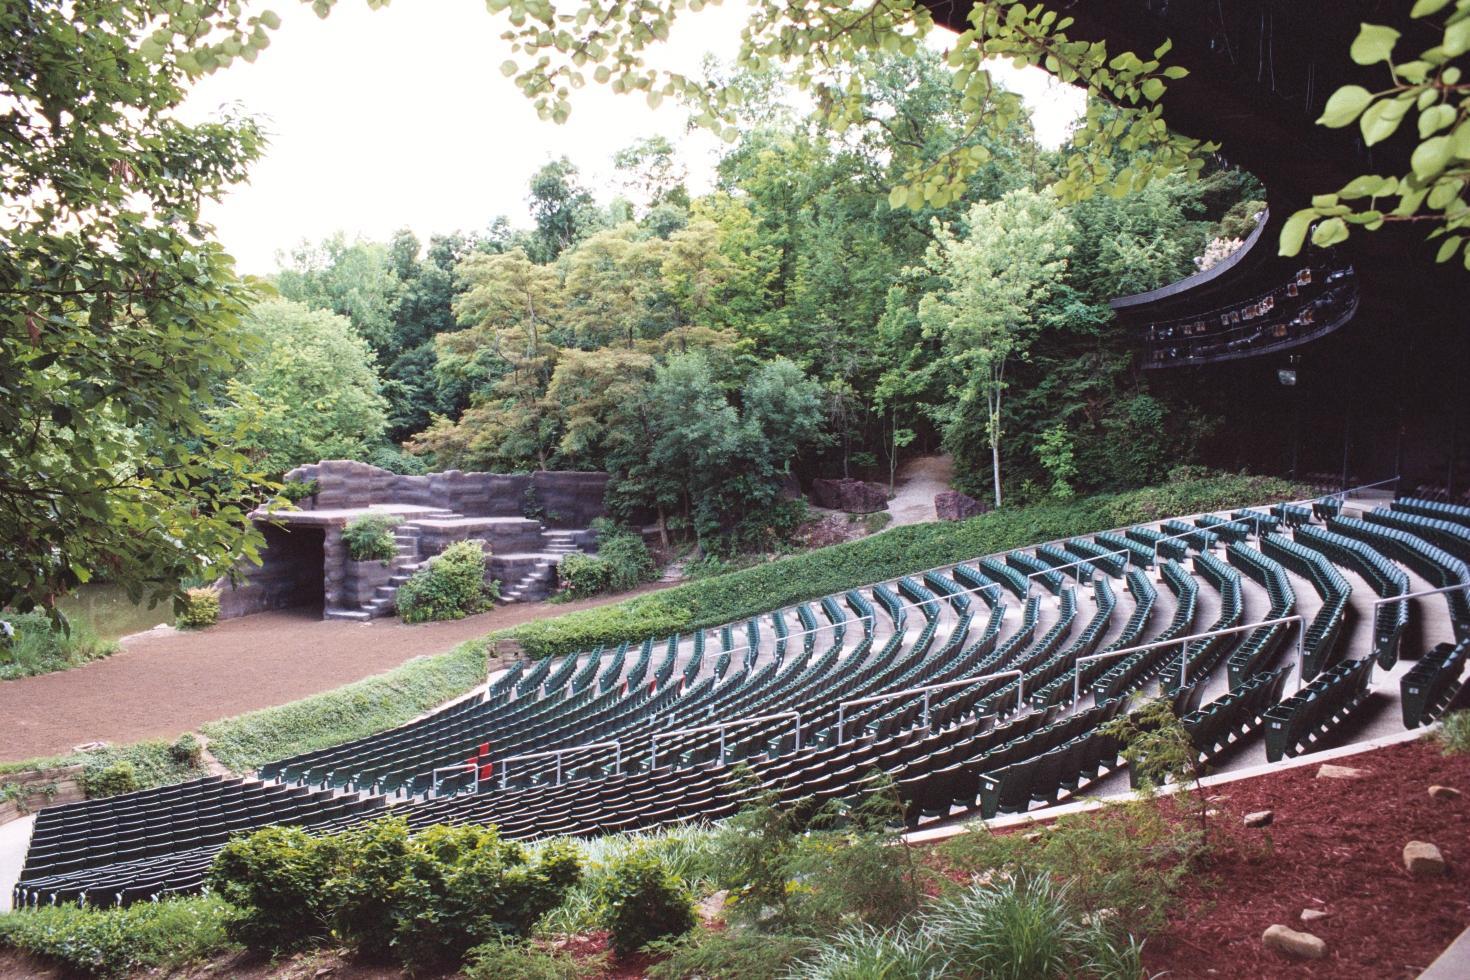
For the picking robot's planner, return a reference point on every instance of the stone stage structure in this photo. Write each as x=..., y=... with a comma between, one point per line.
x=526, y=521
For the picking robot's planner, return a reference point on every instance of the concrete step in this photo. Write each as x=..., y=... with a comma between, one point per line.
x=355, y=615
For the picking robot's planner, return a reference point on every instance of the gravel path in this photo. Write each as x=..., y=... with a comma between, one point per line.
x=918, y=481
x=160, y=686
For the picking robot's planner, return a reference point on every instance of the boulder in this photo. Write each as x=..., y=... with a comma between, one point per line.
x=853, y=496
x=1423, y=860
x=1443, y=793
x=1302, y=945
x=951, y=505
x=1328, y=771
x=1261, y=818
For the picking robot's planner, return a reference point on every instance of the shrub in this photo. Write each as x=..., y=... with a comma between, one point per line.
x=451, y=586
x=395, y=460
x=1018, y=929
x=274, y=881
x=186, y=751
x=197, y=609
x=581, y=576
x=361, y=889
x=641, y=901
x=371, y=539
x=464, y=886
x=39, y=646
x=298, y=490
x=502, y=960
x=353, y=711
x=118, y=942
x=622, y=562
x=898, y=551
x=113, y=779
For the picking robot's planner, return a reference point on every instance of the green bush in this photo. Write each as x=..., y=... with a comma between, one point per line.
x=465, y=886
x=40, y=646
x=114, y=779
x=641, y=901
x=354, y=711
x=371, y=539
x=186, y=751
x=622, y=562
x=451, y=586
x=864, y=952
x=298, y=490
x=898, y=551
x=361, y=889
x=198, y=608
x=118, y=942
x=275, y=883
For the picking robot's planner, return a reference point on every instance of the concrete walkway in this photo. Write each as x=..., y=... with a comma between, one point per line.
x=918, y=481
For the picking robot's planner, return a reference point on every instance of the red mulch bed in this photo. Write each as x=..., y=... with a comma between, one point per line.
x=1335, y=845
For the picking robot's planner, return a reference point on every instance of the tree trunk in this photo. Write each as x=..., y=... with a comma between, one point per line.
x=663, y=527
x=995, y=468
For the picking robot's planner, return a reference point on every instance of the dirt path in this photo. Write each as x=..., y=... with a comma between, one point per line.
x=162, y=686
x=918, y=481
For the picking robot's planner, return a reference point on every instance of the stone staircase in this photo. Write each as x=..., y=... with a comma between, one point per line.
x=402, y=566
x=537, y=583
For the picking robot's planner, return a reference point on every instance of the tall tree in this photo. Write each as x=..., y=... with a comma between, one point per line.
x=311, y=392
x=562, y=208
x=118, y=308
x=997, y=282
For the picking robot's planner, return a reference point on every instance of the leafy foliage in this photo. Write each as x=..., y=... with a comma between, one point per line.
x=119, y=310
x=298, y=490
x=310, y=392
x=37, y=645
x=1427, y=85
x=370, y=539
x=641, y=901
x=507, y=960
x=200, y=608
x=729, y=955
x=427, y=898
x=622, y=562
x=451, y=586
x=143, y=937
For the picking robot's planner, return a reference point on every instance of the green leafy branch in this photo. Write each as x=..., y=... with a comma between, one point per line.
x=1429, y=86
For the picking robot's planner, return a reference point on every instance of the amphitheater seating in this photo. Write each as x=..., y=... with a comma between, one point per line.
x=1308, y=716
x=1435, y=564
x=964, y=633
x=1431, y=685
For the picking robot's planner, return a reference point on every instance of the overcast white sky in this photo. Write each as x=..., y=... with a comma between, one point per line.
x=400, y=117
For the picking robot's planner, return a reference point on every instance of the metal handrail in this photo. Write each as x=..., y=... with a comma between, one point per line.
x=1184, y=661
x=614, y=744
x=720, y=726
x=1386, y=600
x=472, y=766
x=1081, y=561
x=925, y=690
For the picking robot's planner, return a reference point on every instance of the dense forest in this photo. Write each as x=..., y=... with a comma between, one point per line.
x=790, y=321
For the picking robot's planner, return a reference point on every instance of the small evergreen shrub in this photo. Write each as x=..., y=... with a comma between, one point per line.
x=451, y=586
x=371, y=539
x=729, y=954
x=298, y=490
x=36, y=645
x=113, y=780
x=361, y=889
x=864, y=952
x=186, y=751
x=641, y=901
x=199, y=608
x=582, y=576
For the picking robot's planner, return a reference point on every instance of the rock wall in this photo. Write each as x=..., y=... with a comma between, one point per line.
x=560, y=498
x=290, y=574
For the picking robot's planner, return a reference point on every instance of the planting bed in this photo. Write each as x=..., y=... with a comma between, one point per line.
x=1335, y=845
